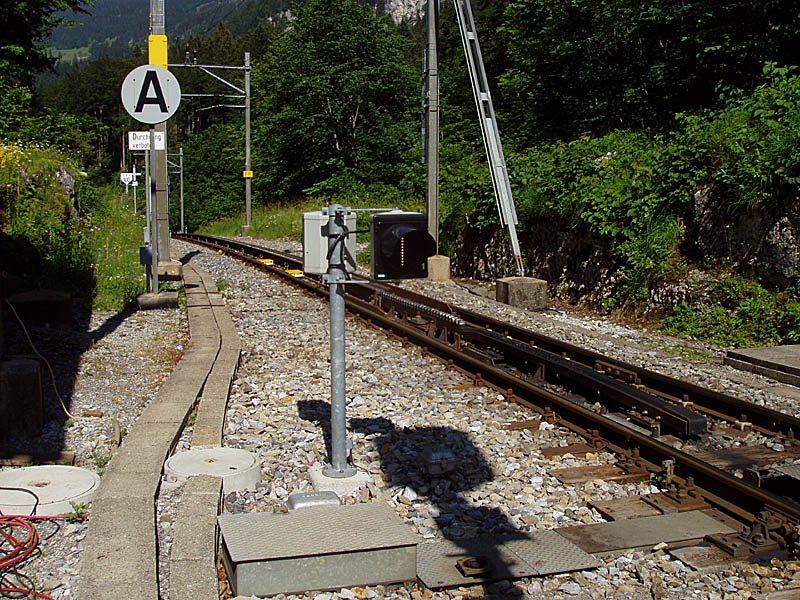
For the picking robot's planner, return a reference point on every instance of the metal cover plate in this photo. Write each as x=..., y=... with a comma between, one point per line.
x=509, y=556
x=313, y=531
x=550, y=553
x=644, y=532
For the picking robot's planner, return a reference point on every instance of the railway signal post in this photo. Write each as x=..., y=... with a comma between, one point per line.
x=337, y=275
x=151, y=95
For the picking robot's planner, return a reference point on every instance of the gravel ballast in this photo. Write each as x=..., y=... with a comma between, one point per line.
x=398, y=400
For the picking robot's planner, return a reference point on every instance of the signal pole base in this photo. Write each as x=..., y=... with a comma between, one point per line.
x=245, y=230
x=439, y=268
x=342, y=486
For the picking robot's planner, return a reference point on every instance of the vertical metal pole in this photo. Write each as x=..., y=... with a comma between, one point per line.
x=154, y=209
x=432, y=120
x=134, y=187
x=247, y=182
x=161, y=204
x=180, y=164
x=336, y=276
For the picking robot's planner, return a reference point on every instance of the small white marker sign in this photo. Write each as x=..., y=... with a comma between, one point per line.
x=150, y=94
x=126, y=178
x=140, y=140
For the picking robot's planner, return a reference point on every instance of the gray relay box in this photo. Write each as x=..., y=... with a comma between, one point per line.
x=315, y=244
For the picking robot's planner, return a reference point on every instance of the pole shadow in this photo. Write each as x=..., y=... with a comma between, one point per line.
x=438, y=465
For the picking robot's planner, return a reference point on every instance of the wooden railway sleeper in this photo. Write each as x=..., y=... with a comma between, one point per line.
x=767, y=534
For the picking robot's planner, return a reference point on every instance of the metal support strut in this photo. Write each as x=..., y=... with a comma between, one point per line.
x=489, y=129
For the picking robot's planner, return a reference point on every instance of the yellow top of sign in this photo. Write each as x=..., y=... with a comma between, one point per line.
x=157, y=50
x=247, y=174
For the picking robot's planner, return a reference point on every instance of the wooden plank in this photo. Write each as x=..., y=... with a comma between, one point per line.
x=604, y=472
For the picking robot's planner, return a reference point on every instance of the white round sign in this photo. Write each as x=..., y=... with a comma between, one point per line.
x=151, y=94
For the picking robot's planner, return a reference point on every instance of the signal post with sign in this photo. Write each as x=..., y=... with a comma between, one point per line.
x=151, y=95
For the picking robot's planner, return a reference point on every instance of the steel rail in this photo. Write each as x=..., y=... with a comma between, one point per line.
x=733, y=496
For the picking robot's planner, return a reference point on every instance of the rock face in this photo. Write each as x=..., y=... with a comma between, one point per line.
x=763, y=243
x=576, y=265
x=404, y=9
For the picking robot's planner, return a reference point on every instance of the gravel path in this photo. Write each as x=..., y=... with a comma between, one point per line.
x=398, y=399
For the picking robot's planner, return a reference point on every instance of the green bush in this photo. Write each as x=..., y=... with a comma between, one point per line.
x=739, y=313
x=88, y=250
x=629, y=188
x=753, y=145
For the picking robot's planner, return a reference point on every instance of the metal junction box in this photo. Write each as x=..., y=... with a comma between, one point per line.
x=315, y=243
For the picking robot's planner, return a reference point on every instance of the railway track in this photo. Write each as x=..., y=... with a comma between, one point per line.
x=623, y=408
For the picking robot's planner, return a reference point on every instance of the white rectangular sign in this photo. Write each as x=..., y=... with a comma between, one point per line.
x=140, y=140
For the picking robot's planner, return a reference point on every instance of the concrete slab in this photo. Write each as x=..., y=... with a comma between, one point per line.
x=120, y=551
x=523, y=292
x=237, y=469
x=56, y=488
x=340, y=486
x=317, y=549
x=781, y=363
x=158, y=301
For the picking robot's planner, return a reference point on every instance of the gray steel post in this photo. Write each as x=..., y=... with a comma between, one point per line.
x=161, y=205
x=432, y=120
x=180, y=164
x=247, y=181
x=154, y=210
x=336, y=277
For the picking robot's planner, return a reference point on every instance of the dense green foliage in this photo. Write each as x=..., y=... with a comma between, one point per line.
x=214, y=187
x=85, y=245
x=736, y=312
x=338, y=103
x=581, y=65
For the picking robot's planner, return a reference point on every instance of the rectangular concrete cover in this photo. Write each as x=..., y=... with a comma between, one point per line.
x=317, y=549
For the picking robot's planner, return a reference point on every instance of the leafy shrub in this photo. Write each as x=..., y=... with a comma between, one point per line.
x=629, y=188
x=753, y=145
x=736, y=312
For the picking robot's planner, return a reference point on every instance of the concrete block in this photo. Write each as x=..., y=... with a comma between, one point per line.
x=21, y=406
x=523, y=292
x=439, y=268
x=170, y=270
x=156, y=301
x=322, y=548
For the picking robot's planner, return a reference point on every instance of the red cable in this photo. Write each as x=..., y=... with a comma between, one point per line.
x=21, y=550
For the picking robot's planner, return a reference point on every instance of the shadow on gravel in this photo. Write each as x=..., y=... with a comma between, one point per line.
x=438, y=464
x=61, y=337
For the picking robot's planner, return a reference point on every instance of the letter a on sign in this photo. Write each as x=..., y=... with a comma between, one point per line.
x=151, y=94
x=151, y=82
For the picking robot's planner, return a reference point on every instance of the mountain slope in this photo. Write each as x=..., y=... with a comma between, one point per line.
x=127, y=21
